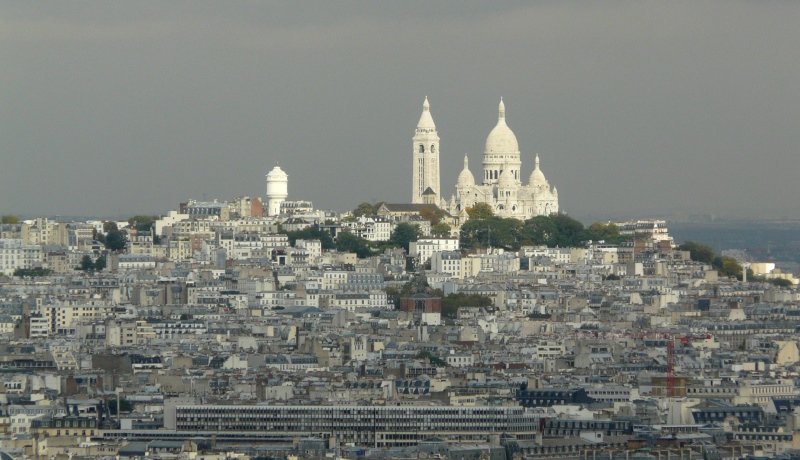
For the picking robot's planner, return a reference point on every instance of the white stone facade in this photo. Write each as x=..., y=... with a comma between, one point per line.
x=425, y=163
x=501, y=188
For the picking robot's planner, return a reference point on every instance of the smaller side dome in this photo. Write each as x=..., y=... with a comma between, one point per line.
x=537, y=178
x=465, y=177
x=506, y=179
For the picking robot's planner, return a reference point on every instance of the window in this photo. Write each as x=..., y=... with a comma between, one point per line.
x=421, y=148
x=433, y=148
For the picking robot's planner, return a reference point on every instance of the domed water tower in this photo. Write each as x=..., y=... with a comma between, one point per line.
x=277, y=190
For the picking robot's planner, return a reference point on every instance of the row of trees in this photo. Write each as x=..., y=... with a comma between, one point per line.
x=726, y=266
x=484, y=229
x=432, y=214
x=33, y=272
x=116, y=240
x=88, y=265
x=402, y=236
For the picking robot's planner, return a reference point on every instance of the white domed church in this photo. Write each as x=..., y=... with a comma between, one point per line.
x=501, y=186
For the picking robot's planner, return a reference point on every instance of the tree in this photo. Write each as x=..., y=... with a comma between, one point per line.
x=347, y=242
x=453, y=302
x=727, y=266
x=312, y=233
x=493, y=231
x=432, y=214
x=365, y=209
x=32, y=272
x=781, y=282
x=9, y=219
x=440, y=230
x=116, y=240
x=569, y=232
x=404, y=234
x=110, y=226
x=480, y=211
x=599, y=231
x=538, y=230
x=433, y=359
x=100, y=264
x=124, y=406
x=87, y=264
x=698, y=252
x=142, y=223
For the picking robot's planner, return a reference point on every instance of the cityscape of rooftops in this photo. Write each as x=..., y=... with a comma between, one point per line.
x=450, y=230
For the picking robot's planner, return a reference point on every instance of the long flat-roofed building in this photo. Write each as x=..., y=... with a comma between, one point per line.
x=378, y=426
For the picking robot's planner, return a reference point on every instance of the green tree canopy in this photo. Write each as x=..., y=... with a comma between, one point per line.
x=599, y=231
x=124, y=406
x=432, y=214
x=33, y=272
x=347, y=242
x=365, y=209
x=440, y=230
x=142, y=223
x=569, y=232
x=100, y=264
x=433, y=359
x=9, y=219
x=87, y=264
x=116, y=241
x=781, y=282
x=727, y=266
x=539, y=230
x=403, y=234
x=493, y=231
x=698, y=252
x=480, y=211
x=312, y=233
x=452, y=302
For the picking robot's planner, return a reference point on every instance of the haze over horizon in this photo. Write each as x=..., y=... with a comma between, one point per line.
x=649, y=109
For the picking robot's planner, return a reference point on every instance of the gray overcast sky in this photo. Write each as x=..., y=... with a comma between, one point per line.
x=639, y=108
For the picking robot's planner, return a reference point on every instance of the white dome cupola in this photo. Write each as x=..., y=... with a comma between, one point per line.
x=501, y=139
x=537, y=178
x=501, y=151
x=465, y=177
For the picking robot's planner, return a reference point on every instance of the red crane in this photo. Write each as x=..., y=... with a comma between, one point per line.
x=670, y=367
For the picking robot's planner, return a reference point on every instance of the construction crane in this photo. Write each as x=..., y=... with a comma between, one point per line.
x=670, y=367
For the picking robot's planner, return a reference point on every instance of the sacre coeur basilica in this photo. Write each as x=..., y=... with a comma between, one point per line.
x=501, y=185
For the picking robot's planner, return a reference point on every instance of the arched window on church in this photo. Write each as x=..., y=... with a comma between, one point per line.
x=433, y=148
x=421, y=148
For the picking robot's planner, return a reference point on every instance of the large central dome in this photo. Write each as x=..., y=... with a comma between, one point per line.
x=501, y=139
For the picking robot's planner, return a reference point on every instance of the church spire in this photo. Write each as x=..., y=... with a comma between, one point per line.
x=501, y=111
x=426, y=119
x=425, y=159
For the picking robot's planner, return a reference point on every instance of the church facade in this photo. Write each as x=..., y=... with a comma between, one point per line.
x=501, y=185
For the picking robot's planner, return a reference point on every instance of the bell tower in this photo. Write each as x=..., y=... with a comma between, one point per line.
x=425, y=158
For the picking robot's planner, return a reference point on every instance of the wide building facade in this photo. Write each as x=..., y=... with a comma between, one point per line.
x=501, y=185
